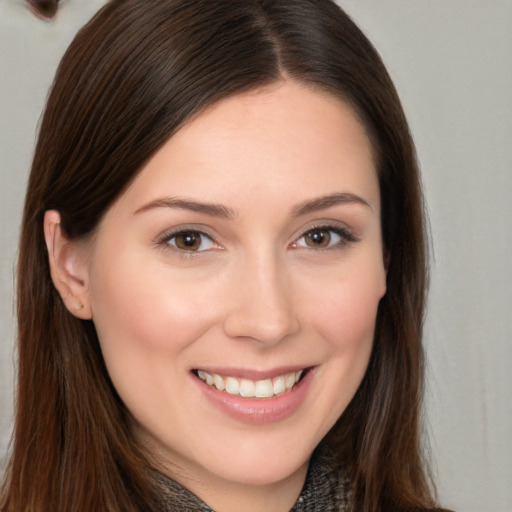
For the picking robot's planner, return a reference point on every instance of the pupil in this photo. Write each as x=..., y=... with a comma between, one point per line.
x=188, y=241
x=318, y=238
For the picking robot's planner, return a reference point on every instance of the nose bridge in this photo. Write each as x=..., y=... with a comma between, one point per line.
x=263, y=306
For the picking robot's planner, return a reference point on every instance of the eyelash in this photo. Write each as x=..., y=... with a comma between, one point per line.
x=165, y=240
x=346, y=237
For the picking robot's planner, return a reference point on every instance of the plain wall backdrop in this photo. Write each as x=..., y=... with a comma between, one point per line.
x=452, y=64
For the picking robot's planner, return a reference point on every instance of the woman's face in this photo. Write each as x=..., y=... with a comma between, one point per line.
x=234, y=286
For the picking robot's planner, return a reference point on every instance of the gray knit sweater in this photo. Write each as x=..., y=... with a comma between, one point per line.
x=326, y=490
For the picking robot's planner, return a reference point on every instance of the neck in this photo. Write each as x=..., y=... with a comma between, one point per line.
x=227, y=496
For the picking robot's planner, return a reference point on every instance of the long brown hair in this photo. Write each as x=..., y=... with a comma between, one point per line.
x=130, y=79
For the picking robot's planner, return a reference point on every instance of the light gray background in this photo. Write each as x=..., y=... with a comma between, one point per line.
x=452, y=63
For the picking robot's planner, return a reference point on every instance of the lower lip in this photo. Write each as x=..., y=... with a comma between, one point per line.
x=258, y=411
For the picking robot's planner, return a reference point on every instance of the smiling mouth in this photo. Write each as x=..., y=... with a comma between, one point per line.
x=247, y=388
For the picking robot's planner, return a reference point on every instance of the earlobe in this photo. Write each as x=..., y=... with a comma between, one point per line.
x=67, y=267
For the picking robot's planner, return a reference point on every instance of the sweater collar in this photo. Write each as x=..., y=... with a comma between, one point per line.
x=326, y=489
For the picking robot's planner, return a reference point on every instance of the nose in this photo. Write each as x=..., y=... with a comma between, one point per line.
x=262, y=305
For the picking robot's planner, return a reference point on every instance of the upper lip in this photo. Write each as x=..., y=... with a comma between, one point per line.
x=252, y=374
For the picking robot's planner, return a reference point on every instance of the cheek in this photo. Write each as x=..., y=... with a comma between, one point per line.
x=145, y=323
x=348, y=326
x=346, y=311
x=142, y=307
x=342, y=315
x=353, y=314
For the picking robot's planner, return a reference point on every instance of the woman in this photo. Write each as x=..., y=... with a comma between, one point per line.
x=222, y=270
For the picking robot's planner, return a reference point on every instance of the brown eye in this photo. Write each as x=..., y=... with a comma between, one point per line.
x=326, y=237
x=192, y=241
x=318, y=238
x=45, y=9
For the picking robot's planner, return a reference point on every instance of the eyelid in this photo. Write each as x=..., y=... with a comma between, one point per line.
x=346, y=234
x=162, y=240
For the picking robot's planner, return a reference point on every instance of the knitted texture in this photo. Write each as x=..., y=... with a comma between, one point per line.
x=326, y=489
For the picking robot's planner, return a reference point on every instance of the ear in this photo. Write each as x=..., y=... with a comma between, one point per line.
x=68, y=267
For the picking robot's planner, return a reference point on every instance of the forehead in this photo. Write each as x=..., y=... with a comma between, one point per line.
x=285, y=137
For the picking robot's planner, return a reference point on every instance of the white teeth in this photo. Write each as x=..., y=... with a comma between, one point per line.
x=279, y=386
x=219, y=382
x=232, y=385
x=266, y=388
x=289, y=381
x=247, y=388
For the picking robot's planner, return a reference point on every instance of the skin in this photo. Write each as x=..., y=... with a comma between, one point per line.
x=257, y=295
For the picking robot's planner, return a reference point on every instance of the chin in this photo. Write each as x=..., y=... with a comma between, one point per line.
x=264, y=471
x=259, y=461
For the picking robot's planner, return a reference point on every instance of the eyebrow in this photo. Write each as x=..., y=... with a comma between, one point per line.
x=215, y=210
x=224, y=212
x=328, y=201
